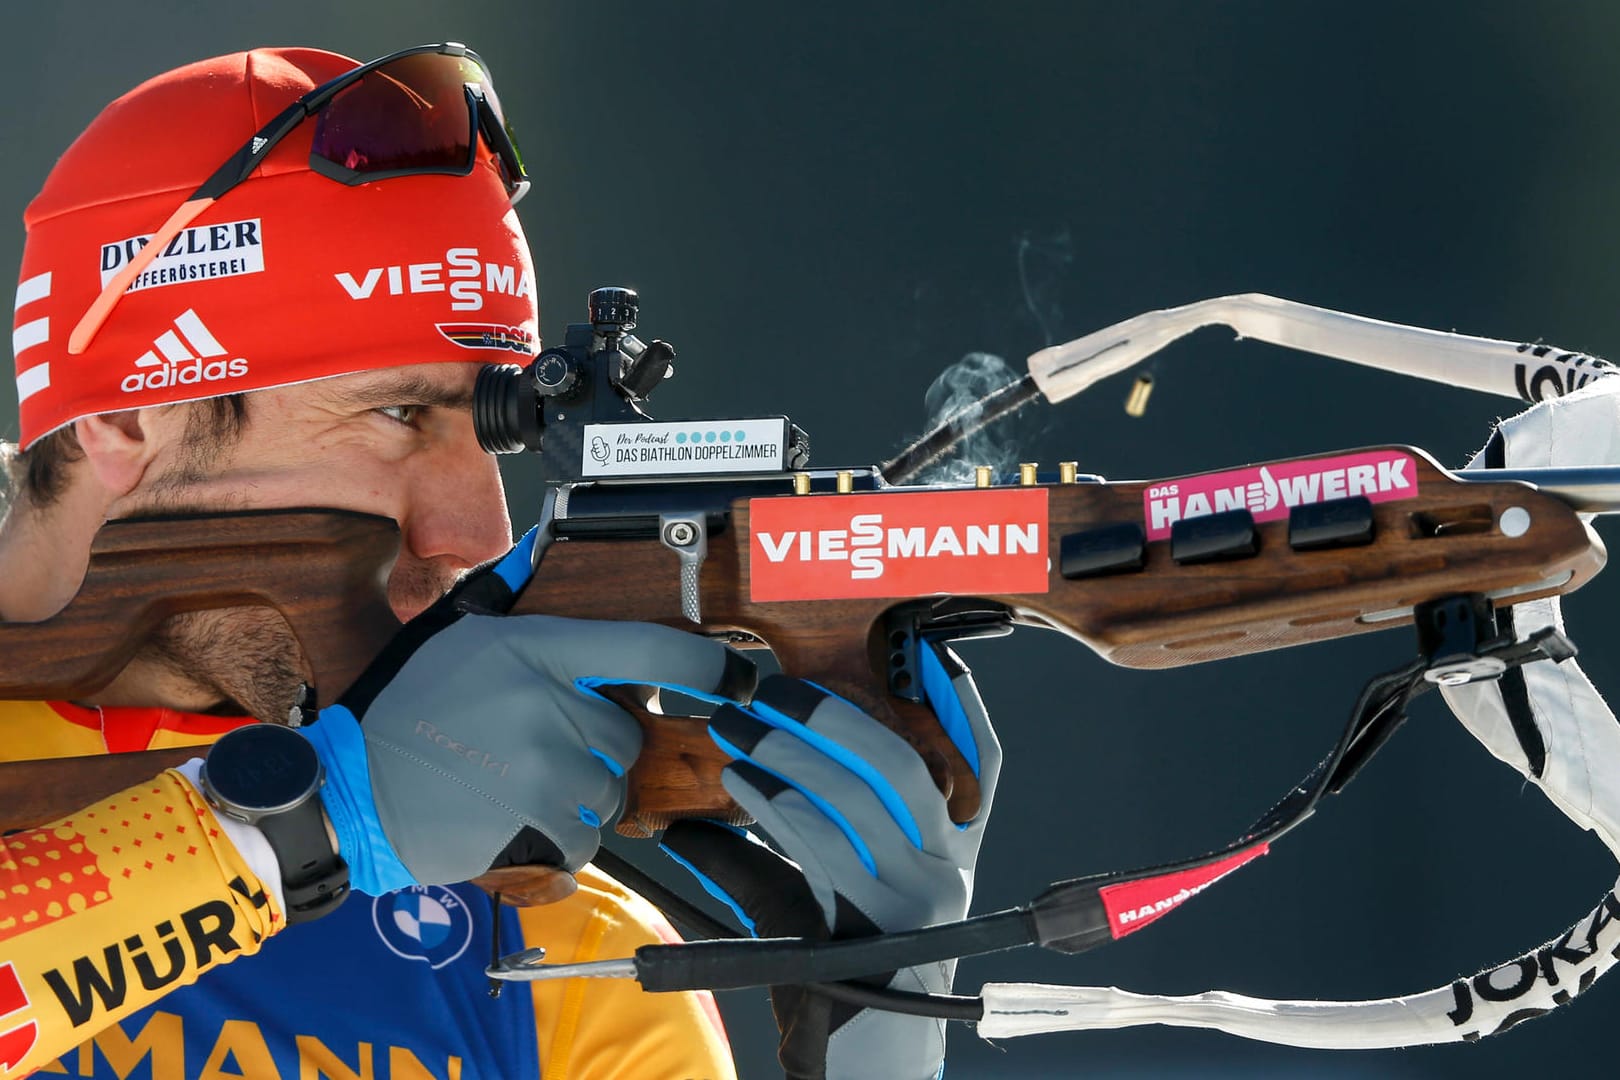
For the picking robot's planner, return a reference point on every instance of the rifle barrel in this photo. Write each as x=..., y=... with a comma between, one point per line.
x=1591, y=489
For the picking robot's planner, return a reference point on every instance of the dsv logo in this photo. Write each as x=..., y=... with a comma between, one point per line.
x=488, y=336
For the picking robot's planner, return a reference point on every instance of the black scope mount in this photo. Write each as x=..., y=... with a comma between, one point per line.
x=578, y=405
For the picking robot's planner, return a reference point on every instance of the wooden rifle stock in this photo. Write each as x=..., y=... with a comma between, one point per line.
x=1448, y=538
x=324, y=571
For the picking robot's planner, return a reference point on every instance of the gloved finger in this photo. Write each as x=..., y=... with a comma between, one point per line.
x=838, y=792
x=560, y=792
x=951, y=692
x=766, y=892
x=613, y=738
x=576, y=842
x=830, y=850
x=518, y=711
x=492, y=589
x=834, y=782
x=591, y=653
x=571, y=812
x=472, y=739
x=894, y=773
x=530, y=847
x=574, y=807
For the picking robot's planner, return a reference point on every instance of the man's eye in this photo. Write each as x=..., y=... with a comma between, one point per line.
x=404, y=414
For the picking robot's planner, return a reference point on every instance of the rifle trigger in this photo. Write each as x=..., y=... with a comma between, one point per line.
x=688, y=536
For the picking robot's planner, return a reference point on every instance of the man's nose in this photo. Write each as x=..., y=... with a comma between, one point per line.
x=458, y=513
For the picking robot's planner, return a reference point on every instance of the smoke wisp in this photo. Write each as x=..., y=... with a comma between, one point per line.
x=1043, y=265
x=955, y=398
x=955, y=401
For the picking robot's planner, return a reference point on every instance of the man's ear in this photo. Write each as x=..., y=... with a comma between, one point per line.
x=118, y=447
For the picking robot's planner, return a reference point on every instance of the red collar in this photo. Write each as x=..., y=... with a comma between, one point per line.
x=126, y=728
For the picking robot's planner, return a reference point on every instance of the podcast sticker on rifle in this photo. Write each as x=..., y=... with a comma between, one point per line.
x=834, y=547
x=1270, y=491
x=687, y=447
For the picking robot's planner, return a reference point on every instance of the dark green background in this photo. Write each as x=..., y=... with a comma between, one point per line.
x=825, y=204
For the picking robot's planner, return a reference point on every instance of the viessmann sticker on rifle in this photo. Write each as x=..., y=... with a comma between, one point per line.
x=833, y=547
x=1269, y=491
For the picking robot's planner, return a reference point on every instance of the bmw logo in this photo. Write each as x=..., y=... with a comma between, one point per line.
x=424, y=922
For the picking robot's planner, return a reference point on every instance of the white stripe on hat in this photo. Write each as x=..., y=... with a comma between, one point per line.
x=30, y=334
x=37, y=287
x=197, y=334
x=168, y=343
x=32, y=381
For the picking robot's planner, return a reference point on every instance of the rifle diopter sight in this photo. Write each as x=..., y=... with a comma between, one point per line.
x=581, y=407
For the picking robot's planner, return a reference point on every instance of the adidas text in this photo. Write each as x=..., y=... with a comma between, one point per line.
x=184, y=356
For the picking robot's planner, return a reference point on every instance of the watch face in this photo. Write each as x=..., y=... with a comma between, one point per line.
x=263, y=767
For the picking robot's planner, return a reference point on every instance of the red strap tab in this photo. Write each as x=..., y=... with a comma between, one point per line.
x=128, y=728
x=1131, y=905
x=15, y=1041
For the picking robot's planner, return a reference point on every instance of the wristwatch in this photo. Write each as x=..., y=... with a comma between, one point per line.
x=270, y=777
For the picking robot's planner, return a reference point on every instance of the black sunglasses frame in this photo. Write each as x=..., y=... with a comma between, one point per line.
x=481, y=116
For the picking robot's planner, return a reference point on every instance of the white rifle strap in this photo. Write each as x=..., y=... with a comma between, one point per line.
x=1525, y=371
x=1550, y=725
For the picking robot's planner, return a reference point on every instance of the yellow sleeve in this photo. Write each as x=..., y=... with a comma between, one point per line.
x=595, y=1029
x=105, y=911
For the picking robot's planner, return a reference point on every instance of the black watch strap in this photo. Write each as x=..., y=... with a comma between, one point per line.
x=270, y=777
x=314, y=879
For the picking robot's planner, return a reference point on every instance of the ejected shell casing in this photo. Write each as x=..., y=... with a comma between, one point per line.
x=846, y=481
x=981, y=476
x=1136, y=401
x=801, y=483
x=1068, y=472
x=1026, y=474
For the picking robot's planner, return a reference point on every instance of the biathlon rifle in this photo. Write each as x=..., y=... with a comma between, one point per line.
x=722, y=528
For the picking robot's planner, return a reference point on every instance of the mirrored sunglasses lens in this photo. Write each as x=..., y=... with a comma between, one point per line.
x=409, y=115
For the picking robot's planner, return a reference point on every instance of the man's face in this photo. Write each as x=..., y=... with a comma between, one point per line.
x=397, y=442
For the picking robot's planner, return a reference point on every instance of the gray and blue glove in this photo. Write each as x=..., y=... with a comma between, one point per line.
x=478, y=740
x=869, y=848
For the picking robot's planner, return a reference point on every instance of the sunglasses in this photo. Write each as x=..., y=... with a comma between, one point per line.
x=414, y=112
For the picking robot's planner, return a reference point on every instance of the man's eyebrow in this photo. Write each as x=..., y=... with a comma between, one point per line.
x=407, y=390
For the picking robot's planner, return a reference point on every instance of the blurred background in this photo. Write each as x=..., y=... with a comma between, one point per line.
x=825, y=205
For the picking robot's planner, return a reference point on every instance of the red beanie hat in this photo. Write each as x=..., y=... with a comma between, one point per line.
x=288, y=277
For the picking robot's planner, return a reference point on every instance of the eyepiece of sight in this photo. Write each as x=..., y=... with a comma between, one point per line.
x=506, y=412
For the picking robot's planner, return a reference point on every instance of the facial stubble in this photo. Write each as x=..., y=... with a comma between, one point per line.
x=246, y=659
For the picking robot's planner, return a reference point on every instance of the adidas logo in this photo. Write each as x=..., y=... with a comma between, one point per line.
x=183, y=356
